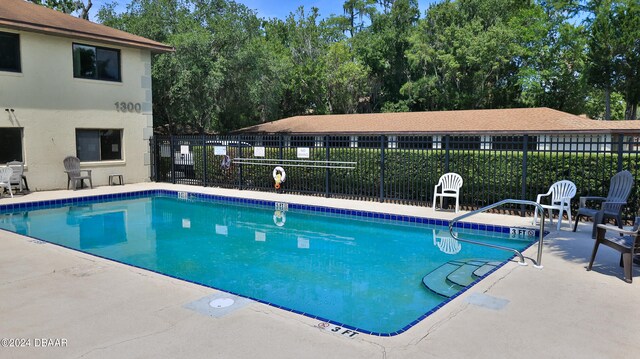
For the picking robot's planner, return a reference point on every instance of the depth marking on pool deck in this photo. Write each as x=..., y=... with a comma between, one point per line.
x=337, y=330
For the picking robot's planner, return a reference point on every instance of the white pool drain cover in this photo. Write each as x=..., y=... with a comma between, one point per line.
x=217, y=305
x=221, y=303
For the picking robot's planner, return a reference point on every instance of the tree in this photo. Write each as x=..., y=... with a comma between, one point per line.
x=346, y=80
x=628, y=16
x=464, y=55
x=552, y=65
x=603, y=47
x=614, y=51
x=354, y=13
x=67, y=6
x=382, y=46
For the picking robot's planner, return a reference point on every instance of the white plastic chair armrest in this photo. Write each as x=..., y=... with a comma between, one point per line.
x=542, y=195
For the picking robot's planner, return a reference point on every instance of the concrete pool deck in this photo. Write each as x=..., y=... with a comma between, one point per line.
x=103, y=309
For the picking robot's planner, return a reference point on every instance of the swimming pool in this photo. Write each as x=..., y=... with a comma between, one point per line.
x=361, y=270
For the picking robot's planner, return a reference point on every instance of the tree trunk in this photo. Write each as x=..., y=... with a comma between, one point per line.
x=631, y=112
x=607, y=104
x=85, y=10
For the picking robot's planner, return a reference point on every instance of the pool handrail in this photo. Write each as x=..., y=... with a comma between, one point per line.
x=539, y=208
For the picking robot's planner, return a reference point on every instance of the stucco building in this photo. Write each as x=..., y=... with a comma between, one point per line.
x=72, y=87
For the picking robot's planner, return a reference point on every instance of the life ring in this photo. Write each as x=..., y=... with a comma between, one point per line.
x=279, y=175
x=279, y=218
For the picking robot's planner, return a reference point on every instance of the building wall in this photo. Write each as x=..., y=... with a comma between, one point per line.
x=50, y=104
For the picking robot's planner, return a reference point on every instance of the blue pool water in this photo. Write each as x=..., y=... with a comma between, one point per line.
x=356, y=271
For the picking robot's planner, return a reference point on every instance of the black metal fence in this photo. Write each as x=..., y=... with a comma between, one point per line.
x=401, y=169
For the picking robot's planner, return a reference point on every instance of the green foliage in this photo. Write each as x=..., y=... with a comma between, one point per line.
x=614, y=51
x=595, y=105
x=65, y=6
x=68, y=6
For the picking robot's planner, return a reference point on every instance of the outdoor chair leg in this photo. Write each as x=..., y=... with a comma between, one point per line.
x=575, y=222
x=627, y=263
x=593, y=255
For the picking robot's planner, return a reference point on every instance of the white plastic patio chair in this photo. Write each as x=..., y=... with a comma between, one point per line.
x=449, y=184
x=5, y=180
x=561, y=194
x=74, y=173
x=18, y=171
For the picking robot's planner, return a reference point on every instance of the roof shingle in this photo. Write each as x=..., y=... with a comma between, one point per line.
x=504, y=121
x=26, y=16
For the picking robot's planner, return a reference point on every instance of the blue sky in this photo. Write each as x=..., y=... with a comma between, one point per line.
x=274, y=8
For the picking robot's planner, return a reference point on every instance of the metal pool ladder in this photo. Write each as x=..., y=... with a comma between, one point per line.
x=539, y=208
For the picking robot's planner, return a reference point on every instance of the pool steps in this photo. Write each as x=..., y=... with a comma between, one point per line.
x=453, y=276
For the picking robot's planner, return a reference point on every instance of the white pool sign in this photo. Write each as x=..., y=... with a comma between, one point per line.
x=258, y=151
x=220, y=150
x=303, y=152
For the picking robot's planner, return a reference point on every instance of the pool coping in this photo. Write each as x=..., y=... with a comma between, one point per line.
x=187, y=195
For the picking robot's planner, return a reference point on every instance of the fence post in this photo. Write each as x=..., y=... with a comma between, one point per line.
x=620, y=151
x=173, y=161
x=239, y=142
x=523, y=194
x=204, y=161
x=382, y=148
x=152, y=155
x=328, y=170
x=446, y=154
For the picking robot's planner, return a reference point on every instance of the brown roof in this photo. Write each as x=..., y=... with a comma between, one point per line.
x=23, y=15
x=506, y=121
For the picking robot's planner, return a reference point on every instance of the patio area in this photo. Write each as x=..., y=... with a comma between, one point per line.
x=103, y=309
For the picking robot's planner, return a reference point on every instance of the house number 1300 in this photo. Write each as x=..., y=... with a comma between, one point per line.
x=128, y=107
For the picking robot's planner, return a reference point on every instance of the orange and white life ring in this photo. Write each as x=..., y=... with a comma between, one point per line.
x=279, y=175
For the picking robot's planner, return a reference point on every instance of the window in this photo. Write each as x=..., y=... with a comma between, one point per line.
x=339, y=141
x=98, y=63
x=415, y=142
x=303, y=141
x=372, y=142
x=515, y=143
x=464, y=142
x=271, y=141
x=99, y=145
x=9, y=52
x=10, y=144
